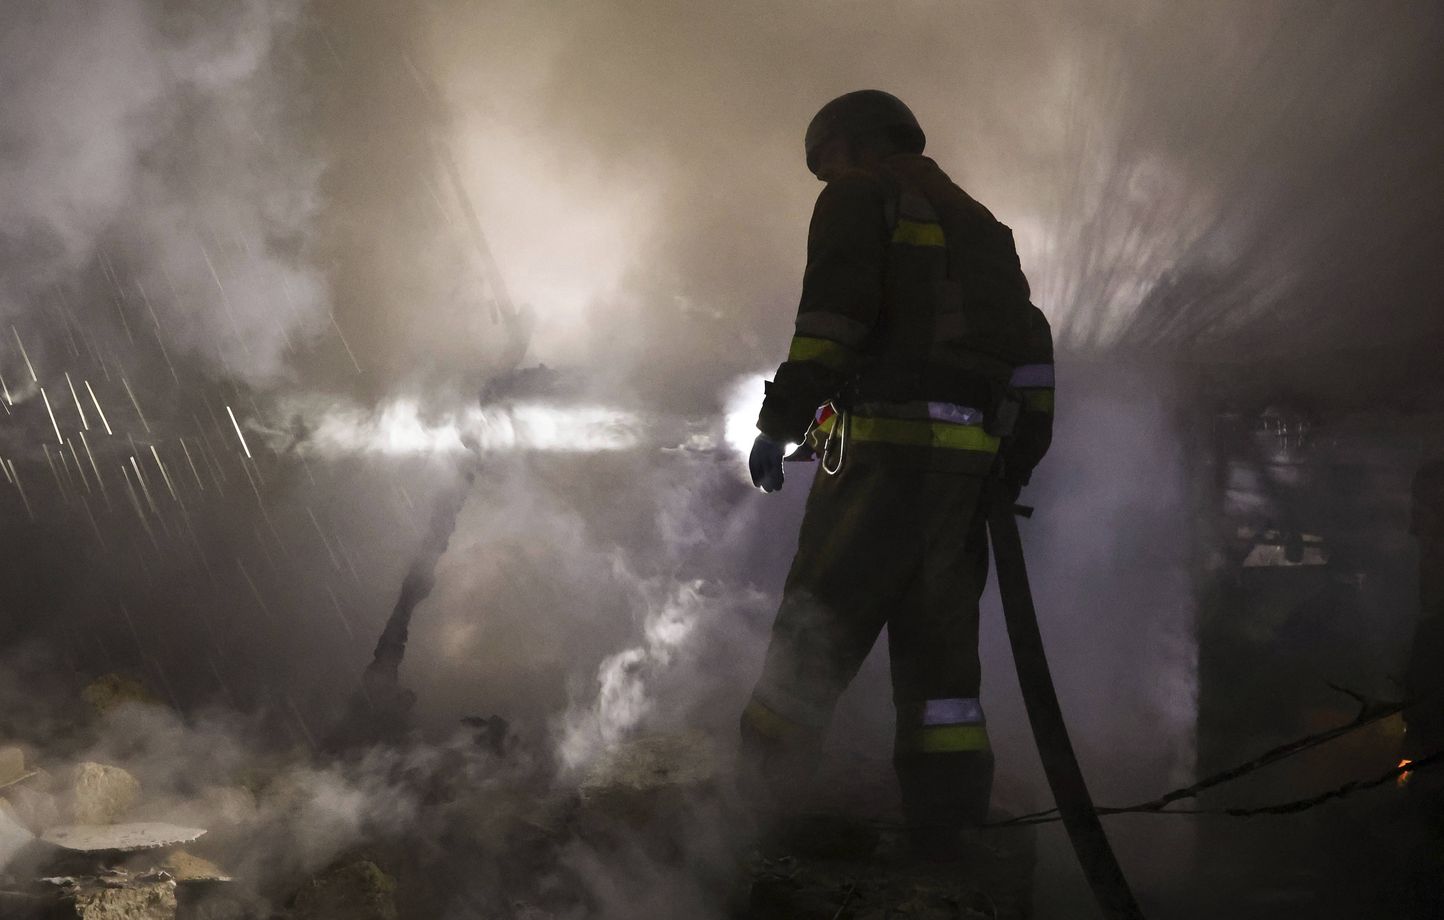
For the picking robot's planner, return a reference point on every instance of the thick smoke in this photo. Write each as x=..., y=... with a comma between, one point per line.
x=155, y=153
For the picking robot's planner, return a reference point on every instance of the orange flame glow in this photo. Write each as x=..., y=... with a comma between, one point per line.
x=1404, y=777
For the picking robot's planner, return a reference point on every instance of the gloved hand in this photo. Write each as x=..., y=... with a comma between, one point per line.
x=765, y=463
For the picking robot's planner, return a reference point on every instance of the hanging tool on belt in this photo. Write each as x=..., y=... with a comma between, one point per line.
x=1095, y=854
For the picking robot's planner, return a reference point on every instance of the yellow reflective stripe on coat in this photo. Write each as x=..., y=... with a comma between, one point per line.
x=1038, y=400
x=920, y=433
x=918, y=233
x=824, y=351
x=944, y=739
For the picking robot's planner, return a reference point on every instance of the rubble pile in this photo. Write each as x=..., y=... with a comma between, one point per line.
x=845, y=871
x=478, y=824
x=66, y=850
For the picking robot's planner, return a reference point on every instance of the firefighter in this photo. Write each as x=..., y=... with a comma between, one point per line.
x=918, y=369
x=1425, y=676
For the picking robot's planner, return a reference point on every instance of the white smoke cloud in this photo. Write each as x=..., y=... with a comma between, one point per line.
x=158, y=150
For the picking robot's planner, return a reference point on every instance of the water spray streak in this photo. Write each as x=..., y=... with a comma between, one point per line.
x=51, y=412
x=98, y=411
x=244, y=446
x=24, y=354
x=76, y=396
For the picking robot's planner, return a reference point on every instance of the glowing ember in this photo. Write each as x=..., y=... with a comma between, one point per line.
x=1404, y=777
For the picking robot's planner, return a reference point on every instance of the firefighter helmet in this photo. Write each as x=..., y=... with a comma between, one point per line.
x=863, y=112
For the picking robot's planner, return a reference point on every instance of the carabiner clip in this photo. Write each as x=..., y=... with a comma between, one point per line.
x=839, y=425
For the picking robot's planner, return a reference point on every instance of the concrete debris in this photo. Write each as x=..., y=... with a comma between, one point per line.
x=12, y=766
x=349, y=891
x=119, y=838
x=639, y=779
x=100, y=793
x=145, y=897
x=187, y=867
x=14, y=836
x=111, y=691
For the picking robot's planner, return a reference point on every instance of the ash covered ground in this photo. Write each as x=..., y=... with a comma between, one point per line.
x=284, y=286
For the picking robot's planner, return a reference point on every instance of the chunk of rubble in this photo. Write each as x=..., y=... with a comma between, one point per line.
x=187, y=867
x=12, y=766
x=111, y=691
x=100, y=793
x=648, y=776
x=348, y=891
x=115, y=896
x=120, y=838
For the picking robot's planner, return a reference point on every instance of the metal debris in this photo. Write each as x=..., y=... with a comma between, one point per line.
x=120, y=838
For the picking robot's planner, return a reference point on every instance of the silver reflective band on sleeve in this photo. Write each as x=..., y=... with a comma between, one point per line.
x=952, y=412
x=953, y=712
x=1032, y=375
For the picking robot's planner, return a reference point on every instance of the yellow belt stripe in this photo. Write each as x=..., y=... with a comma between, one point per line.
x=917, y=233
x=921, y=433
x=1038, y=401
x=823, y=351
x=945, y=739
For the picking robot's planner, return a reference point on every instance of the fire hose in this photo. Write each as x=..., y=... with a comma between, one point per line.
x=1065, y=777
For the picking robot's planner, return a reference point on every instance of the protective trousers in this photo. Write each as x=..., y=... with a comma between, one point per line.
x=886, y=541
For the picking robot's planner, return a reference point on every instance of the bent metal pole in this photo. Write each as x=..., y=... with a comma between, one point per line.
x=1065, y=777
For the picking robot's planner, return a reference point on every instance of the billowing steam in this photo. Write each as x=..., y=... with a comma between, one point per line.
x=158, y=158
x=625, y=693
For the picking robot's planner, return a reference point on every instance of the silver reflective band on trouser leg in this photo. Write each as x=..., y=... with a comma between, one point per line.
x=944, y=726
x=967, y=711
x=1032, y=375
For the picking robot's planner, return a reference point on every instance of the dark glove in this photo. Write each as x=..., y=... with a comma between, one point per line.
x=766, y=463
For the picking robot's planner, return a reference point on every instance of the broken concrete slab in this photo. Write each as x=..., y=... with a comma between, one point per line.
x=350, y=891
x=120, y=838
x=100, y=793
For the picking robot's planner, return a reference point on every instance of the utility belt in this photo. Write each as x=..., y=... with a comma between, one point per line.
x=934, y=386
x=957, y=413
